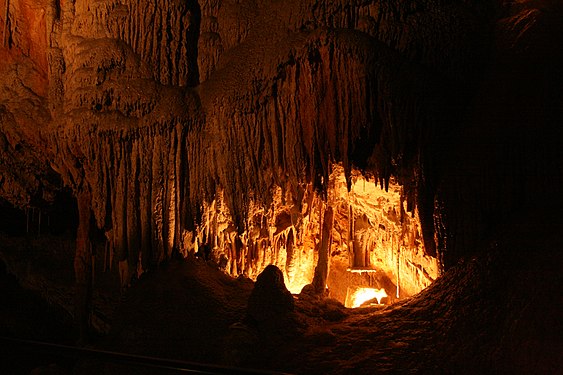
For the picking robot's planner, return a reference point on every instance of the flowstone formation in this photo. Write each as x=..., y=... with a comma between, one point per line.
x=112, y=113
x=242, y=130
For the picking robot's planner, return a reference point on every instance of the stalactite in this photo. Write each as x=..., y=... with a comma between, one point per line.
x=6, y=15
x=289, y=265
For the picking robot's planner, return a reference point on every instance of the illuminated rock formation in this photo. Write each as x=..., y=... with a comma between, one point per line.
x=150, y=156
x=353, y=144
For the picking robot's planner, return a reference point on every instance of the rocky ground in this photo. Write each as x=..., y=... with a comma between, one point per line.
x=489, y=314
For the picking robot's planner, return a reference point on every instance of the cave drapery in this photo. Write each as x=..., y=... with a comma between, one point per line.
x=184, y=124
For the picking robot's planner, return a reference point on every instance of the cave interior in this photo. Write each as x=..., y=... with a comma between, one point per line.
x=292, y=186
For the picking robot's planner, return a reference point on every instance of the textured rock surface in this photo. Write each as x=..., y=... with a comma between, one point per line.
x=285, y=90
x=153, y=113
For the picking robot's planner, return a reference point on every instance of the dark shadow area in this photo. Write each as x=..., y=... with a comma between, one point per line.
x=57, y=219
x=24, y=314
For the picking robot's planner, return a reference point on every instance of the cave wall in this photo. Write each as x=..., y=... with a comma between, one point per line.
x=507, y=157
x=153, y=111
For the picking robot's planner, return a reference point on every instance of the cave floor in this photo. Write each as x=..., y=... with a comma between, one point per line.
x=482, y=316
x=184, y=311
x=489, y=314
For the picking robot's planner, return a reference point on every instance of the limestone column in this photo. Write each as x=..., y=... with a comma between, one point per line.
x=321, y=271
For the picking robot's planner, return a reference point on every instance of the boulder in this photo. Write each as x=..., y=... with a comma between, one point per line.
x=270, y=300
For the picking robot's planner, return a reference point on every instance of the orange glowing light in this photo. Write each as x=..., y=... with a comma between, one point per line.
x=362, y=295
x=374, y=240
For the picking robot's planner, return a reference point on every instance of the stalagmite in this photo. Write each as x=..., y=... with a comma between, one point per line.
x=398, y=269
x=322, y=268
x=350, y=234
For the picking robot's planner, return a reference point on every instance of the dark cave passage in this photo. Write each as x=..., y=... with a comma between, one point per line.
x=57, y=218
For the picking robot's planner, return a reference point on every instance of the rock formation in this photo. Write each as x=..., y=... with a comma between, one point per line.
x=187, y=123
x=270, y=302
